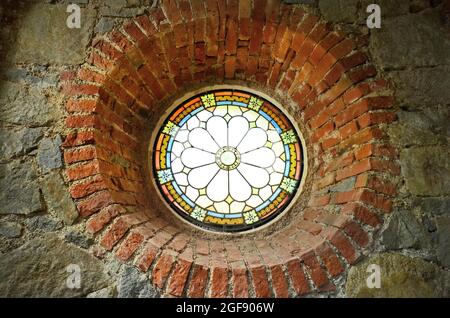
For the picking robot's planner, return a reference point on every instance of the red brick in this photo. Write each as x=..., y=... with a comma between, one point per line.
x=231, y=41
x=179, y=242
x=348, y=130
x=198, y=281
x=257, y=33
x=219, y=282
x=329, y=179
x=172, y=12
x=108, y=50
x=147, y=257
x=322, y=131
x=88, y=187
x=146, y=25
x=80, y=105
x=361, y=137
x=83, y=170
x=133, y=31
x=282, y=44
x=239, y=281
x=355, y=169
x=115, y=233
x=377, y=184
x=88, y=75
x=342, y=49
x=340, y=162
x=330, y=260
x=311, y=227
x=179, y=277
x=385, y=166
x=320, y=50
x=100, y=62
x=129, y=246
x=362, y=214
x=94, y=203
x=370, y=119
x=80, y=89
x=336, y=220
x=230, y=66
x=362, y=73
x=316, y=272
x=298, y=278
x=356, y=233
x=82, y=121
x=376, y=200
x=303, y=30
x=98, y=221
x=79, y=154
x=162, y=269
x=260, y=282
x=348, y=196
x=344, y=247
x=337, y=90
x=319, y=201
x=330, y=142
x=275, y=74
x=279, y=282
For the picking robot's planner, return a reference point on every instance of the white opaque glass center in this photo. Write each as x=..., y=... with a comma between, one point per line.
x=228, y=158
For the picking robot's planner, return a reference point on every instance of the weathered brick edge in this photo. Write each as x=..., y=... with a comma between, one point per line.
x=282, y=47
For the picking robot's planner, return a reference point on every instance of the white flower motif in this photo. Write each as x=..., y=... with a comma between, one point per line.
x=228, y=159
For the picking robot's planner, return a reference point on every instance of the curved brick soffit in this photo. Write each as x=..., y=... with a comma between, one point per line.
x=280, y=47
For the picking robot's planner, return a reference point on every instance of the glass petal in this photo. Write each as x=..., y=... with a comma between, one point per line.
x=201, y=139
x=256, y=177
x=217, y=190
x=193, y=157
x=237, y=128
x=240, y=190
x=255, y=138
x=200, y=177
x=217, y=128
x=262, y=157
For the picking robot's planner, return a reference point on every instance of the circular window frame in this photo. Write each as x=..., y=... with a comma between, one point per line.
x=203, y=227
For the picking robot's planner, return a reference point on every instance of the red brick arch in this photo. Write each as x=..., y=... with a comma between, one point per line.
x=282, y=48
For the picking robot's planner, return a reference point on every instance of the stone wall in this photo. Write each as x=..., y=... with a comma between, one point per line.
x=43, y=220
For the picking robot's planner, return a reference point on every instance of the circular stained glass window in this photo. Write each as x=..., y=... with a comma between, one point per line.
x=228, y=160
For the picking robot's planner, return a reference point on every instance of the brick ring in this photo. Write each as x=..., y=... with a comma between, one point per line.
x=132, y=74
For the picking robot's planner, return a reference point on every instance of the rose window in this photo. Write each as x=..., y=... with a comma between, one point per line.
x=228, y=160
